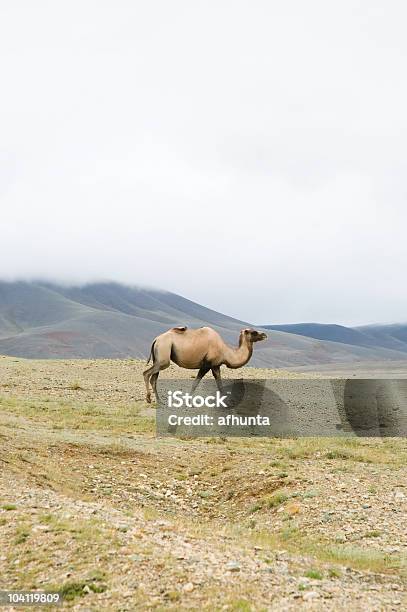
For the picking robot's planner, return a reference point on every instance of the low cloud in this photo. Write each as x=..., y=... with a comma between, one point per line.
x=251, y=158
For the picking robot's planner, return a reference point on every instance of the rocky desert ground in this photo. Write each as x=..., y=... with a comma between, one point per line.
x=94, y=505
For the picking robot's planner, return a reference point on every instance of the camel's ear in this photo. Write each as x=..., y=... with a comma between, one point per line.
x=246, y=330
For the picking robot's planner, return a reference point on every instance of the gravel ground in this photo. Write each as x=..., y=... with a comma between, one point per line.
x=94, y=505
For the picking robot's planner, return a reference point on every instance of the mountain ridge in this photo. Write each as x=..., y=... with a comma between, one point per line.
x=391, y=336
x=40, y=319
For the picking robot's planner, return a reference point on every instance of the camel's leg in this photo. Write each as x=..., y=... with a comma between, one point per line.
x=153, y=381
x=217, y=377
x=146, y=375
x=202, y=371
x=151, y=374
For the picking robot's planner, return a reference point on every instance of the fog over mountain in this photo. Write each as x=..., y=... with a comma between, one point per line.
x=250, y=155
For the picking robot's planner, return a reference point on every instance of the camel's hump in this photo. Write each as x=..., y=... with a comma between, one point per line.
x=180, y=329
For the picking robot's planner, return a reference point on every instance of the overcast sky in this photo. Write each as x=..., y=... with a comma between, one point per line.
x=251, y=156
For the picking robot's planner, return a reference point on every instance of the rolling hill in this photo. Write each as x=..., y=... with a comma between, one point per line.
x=111, y=320
x=393, y=337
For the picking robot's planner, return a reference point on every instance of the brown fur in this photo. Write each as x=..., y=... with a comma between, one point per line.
x=201, y=349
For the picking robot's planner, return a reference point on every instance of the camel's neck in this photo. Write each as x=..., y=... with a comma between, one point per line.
x=238, y=357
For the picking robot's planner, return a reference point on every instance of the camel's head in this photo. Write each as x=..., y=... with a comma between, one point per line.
x=251, y=335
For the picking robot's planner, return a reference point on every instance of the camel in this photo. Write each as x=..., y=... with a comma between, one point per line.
x=201, y=349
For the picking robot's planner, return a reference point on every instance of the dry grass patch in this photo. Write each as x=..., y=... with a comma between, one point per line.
x=366, y=450
x=65, y=415
x=275, y=500
x=296, y=541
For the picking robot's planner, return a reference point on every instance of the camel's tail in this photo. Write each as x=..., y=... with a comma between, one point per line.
x=151, y=356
